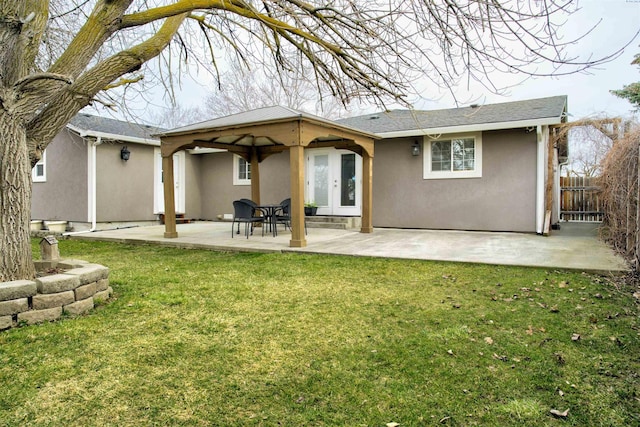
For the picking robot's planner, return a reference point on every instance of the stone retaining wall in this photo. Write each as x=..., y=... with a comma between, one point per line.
x=73, y=292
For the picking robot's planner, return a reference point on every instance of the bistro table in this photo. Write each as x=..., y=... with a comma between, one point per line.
x=269, y=212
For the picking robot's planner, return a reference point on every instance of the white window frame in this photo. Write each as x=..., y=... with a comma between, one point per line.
x=35, y=177
x=236, y=172
x=475, y=173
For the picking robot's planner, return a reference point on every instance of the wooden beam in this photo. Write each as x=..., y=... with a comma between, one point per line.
x=255, y=175
x=296, y=166
x=547, y=223
x=170, y=231
x=367, y=193
x=338, y=145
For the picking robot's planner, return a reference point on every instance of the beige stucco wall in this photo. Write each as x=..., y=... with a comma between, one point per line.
x=503, y=199
x=218, y=191
x=124, y=189
x=193, y=190
x=64, y=195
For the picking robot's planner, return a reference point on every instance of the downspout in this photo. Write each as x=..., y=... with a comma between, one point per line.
x=93, y=196
x=540, y=172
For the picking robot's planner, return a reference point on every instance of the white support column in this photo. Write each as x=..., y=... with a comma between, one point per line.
x=92, y=181
x=542, y=133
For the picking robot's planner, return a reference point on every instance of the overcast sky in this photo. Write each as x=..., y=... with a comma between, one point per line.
x=588, y=92
x=619, y=21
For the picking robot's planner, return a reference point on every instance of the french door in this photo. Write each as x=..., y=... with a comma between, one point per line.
x=178, y=177
x=334, y=181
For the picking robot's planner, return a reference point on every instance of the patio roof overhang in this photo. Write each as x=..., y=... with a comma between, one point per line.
x=257, y=134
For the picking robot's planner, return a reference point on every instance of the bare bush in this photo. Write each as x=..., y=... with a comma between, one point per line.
x=621, y=192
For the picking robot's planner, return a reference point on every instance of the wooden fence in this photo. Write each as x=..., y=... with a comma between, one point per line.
x=580, y=199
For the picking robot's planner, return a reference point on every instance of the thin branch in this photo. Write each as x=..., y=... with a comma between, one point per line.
x=124, y=81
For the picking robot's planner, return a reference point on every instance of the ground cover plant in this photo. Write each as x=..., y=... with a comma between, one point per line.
x=208, y=338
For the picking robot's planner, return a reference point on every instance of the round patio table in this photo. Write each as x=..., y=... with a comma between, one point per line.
x=269, y=212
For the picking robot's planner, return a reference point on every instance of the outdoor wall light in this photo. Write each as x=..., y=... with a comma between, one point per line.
x=125, y=153
x=415, y=148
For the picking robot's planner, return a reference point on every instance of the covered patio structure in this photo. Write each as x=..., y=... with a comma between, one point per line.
x=257, y=134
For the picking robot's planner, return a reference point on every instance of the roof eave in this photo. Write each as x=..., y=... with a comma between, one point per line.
x=105, y=135
x=248, y=125
x=478, y=127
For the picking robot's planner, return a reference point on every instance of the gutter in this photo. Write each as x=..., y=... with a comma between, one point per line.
x=478, y=127
x=112, y=136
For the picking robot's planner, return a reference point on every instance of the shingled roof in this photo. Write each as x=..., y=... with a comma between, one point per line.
x=89, y=125
x=505, y=115
x=258, y=116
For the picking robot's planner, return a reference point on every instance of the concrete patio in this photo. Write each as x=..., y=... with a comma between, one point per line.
x=574, y=246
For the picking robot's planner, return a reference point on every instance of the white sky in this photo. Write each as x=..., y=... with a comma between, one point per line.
x=588, y=92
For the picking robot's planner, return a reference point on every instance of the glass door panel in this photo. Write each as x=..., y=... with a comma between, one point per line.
x=348, y=180
x=321, y=179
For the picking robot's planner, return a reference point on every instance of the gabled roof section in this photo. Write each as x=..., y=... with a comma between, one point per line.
x=507, y=115
x=258, y=116
x=96, y=126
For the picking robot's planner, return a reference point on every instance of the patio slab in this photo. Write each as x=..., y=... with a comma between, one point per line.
x=574, y=246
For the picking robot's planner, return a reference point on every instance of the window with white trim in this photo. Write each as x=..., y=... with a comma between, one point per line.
x=241, y=171
x=39, y=171
x=456, y=156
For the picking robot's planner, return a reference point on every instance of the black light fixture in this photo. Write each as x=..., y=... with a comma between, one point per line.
x=125, y=153
x=415, y=148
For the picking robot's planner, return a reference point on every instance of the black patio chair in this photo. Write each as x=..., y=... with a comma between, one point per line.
x=283, y=215
x=254, y=205
x=243, y=212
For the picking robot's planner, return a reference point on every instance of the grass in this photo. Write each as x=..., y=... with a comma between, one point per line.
x=221, y=339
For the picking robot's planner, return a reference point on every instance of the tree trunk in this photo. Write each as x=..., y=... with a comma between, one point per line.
x=15, y=201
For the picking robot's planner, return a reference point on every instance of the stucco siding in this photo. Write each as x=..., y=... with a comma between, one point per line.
x=64, y=194
x=275, y=180
x=219, y=192
x=124, y=188
x=503, y=199
x=193, y=189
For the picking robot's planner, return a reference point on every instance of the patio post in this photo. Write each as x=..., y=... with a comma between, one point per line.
x=367, y=192
x=169, y=198
x=255, y=176
x=296, y=163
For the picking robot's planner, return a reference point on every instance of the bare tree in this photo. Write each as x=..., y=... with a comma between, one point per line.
x=242, y=90
x=176, y=116
x=589, y=146
x=590, y=141
x=58, y=56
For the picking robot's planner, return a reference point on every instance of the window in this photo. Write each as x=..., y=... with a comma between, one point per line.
x=39, y=171
x=458, y=156
x=241, y=171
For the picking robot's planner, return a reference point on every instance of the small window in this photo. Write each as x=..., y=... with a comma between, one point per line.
x=453, y=157
x=39, y=171
x=241, y=171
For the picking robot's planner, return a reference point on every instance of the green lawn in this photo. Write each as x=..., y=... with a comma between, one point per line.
x=225, y=339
